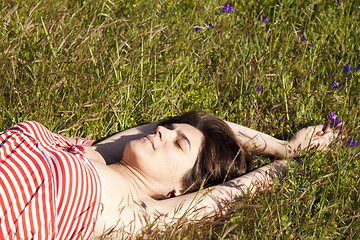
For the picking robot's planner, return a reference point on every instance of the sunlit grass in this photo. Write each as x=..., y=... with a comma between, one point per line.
x=92, y=68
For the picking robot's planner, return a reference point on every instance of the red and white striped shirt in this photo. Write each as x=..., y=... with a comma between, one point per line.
x=48, y=188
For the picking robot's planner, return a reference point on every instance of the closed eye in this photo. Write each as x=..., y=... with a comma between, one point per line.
x=178, y=144
x=181, y=136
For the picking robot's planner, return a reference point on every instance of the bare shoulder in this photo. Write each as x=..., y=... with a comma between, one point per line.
x=121, y=203
x=94, y=155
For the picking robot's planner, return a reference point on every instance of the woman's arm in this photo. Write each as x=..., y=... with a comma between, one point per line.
x=318, y=137
x=137, y=214
x=206, y=202
x=258, y=142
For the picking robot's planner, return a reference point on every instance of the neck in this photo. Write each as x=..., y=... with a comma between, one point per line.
x=134, y=177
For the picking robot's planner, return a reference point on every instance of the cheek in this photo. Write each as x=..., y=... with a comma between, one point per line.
x=178, y=164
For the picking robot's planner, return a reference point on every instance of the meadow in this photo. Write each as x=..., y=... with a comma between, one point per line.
x=91, y=68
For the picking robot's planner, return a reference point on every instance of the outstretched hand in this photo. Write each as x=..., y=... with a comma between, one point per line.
x=318, y=138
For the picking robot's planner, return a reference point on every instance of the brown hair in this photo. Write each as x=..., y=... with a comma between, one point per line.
x=221, y=156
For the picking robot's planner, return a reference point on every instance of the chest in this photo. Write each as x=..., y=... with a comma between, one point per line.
x=119, y=201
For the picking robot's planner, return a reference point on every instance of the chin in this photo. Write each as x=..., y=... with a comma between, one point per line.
x=134, y=150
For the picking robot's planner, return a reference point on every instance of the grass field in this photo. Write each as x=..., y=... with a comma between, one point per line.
x=90, y=68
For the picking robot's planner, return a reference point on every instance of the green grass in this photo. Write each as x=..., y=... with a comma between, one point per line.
x=92, y=68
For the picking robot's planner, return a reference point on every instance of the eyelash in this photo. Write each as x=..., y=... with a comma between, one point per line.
x=178, y=144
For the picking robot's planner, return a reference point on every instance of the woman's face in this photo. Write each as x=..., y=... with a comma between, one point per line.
x=164, y=157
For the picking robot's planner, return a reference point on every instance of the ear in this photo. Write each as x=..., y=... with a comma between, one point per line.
x=177, y=191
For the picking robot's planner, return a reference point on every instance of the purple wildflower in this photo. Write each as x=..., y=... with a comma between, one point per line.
x=227, y=8
x=303, y=38
x=332, y=116
x=259, y=88
x=197, y=28
x=265, y=20
x=347, y=68
x=301, y=171
x=338, y=1
x=211, y=26
x=352, y=142
x=334, y=119
x=337, y=121
x=358, y=67
x=335, y=85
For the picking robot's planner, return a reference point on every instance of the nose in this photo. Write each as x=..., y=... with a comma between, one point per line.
x=164, y=133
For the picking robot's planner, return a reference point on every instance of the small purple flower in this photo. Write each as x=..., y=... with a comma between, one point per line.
x=332, y=116
x=197, y=28
x=358, y=67
x=303, y=38
x=301, y=171
x=211, y=26
x=335, y=85
x=338, y=1
x=337, y=121
x=334, y=119
x=352, y=142
x=259, y=88
x=265, y=20
x=227, y=8
x=347, y=68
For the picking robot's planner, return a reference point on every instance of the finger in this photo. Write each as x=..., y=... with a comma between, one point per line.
x=341, y=134
x=315, y=144
x=319, y=130
x=325, y=142
x=327, y=128
x=320, y=133
x=340, y=126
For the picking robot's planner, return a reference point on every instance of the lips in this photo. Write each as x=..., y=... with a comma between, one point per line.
x=151, y=141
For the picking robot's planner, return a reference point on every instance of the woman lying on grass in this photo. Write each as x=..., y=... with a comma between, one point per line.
x=53, y=187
